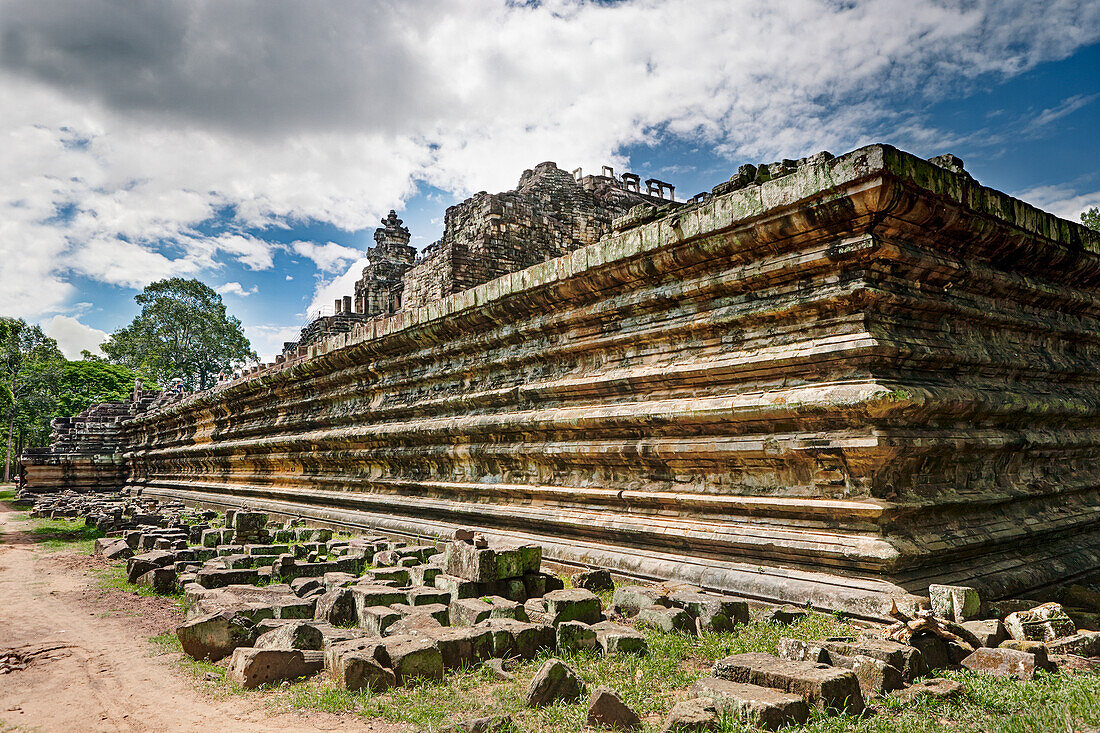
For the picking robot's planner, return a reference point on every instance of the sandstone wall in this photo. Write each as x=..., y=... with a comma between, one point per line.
x=855, y=379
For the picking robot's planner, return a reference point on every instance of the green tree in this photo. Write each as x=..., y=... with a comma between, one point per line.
x=30, y=364
x=182, y=331
x=85, y=383
x=1091, y=218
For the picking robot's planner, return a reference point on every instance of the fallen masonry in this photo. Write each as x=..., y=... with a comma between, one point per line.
x=356, y=611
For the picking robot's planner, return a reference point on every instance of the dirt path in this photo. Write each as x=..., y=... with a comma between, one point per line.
x=90, y=666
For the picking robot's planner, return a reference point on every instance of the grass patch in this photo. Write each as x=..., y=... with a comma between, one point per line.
x=114, y=578
x=66, y=534
x=652, y=684
x=7, y=494
x=169, y=643
x=647, y=683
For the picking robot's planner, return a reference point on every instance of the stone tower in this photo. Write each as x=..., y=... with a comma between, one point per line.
x=378, y=292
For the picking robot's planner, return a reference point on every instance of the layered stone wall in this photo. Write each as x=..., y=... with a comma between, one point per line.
x=855, y=379
x=85, y=451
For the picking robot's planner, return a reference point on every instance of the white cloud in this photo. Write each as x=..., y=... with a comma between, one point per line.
x=235, y=288
x=327, y=291
x=1068, y=106
x=328, y=256
x=72, y=336
x=130, y=128
x=267, y=339
x=1061, y=200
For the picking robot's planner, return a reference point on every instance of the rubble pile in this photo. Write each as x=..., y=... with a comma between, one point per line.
x=283, y=601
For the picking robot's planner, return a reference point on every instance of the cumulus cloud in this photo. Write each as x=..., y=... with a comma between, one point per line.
x=328, y=290
x=143, y=138
x=73, y=337
x=235, y=288
x=268, y=339
x=1061, y=200
x=328, y=256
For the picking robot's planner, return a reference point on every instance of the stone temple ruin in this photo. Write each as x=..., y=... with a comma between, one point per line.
x=832, y=380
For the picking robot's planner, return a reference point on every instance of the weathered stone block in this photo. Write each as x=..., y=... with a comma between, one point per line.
x=616, y=638
x=291, y=636
x=337, y=607
x=1042, y=623
x=1003, y=663
x=555, y=681
x=214, y=636
x=955, y=602
x=824, y=686
x=574, y=604
x=414, y=658
x=574, y=636
x=607, y=710
x=250, y=668
x=760, y=706
x=517, y=638
x=668, y=620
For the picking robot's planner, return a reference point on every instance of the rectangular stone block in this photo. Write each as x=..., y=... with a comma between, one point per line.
x=826, y=687
x=763, y=707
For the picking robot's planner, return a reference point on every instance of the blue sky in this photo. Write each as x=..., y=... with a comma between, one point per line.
x=255, y=145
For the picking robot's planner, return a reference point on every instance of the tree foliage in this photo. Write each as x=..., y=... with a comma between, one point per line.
x=1091, y=218
x=85, y=383
x=183, y=331
x=30, y=367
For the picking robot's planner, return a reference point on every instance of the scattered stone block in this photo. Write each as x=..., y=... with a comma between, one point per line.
x=616, y=638
x=536, y=585
x=214, y=636
x=933, y=651
x=222, y=577
x=414, y=622
x=359, y=671
x=668, y=620
x=555, y=681
x=377, y=620
x=826, y=687
x=518, y=638
x=713, y=613
x=1002, y=662
x=607, y=710
x=988, y=633
x=760, y=706
x=935, y=687
x=294, y=635
x=593, y=580
x=1082, y=644
x=250, y=668
x=413, y=658
x=139, y=565
x=460, y=647
x=876, y=677
x=630, y=599
x=159, y=580
x=373, y=648
x=574, y=604
x=1042, y=623
x=422, y=596
x=337, y=607
x=573, y=636
x=457, y=587
x=400, y=576
x=692, y=716
x=470, y=611
x=955, y=602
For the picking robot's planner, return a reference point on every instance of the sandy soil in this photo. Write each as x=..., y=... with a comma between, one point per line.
x=90, y=665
